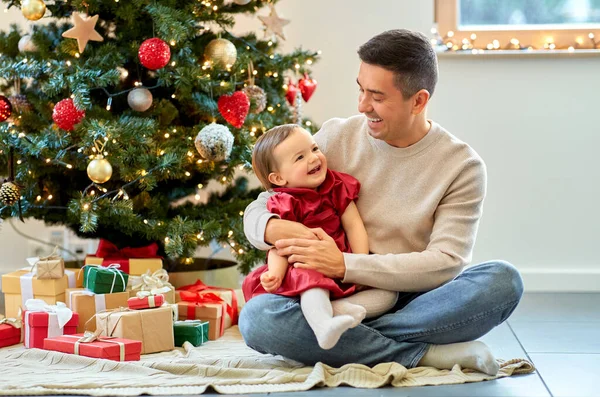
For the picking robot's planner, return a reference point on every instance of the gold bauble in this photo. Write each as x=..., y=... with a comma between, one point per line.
x=220, y=52
x=33, y=9
x=99, y=170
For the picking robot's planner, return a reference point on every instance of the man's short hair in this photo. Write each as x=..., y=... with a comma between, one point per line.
x=408, y=54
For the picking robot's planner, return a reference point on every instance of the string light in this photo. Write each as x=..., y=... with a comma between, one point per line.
x=50, y=197
x=86, y=206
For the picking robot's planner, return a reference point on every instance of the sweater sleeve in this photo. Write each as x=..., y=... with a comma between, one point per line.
x=450, y=247
x=256, y=217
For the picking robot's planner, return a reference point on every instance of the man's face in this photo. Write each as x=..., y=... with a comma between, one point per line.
x=389, y=114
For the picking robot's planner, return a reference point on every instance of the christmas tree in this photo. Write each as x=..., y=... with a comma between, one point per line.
x=116, y=113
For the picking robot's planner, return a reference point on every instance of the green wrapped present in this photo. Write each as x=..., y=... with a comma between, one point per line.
x=193, y=331
x=104, y=280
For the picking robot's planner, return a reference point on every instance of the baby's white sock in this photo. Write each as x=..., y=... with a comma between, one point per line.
x=342, y=306
x=473, y=355
x=316, y=306
x=375, y=301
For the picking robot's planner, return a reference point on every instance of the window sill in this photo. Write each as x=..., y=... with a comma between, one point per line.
x=584, y=53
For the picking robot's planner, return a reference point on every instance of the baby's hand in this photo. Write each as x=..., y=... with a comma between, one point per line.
x=270, y=282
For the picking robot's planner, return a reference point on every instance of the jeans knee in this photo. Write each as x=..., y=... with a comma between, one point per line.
x=509, y=279
x=249, y=316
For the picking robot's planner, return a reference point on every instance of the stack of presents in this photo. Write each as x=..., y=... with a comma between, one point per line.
x=118, y=306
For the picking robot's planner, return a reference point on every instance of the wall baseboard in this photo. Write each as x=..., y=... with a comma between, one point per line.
x=561, y=280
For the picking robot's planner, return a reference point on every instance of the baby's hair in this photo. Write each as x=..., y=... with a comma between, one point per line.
x=263, y=162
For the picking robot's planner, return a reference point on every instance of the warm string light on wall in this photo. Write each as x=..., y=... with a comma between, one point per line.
x=450, y=43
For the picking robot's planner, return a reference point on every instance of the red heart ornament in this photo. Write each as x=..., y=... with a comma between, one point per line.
x=291, y=92
x=234, y=108
x=307, y=87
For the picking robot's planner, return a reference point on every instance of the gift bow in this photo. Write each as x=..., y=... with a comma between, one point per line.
x=199, y=286
x=89, y=337
x=15, y=322
x=106, y=249
x=158, y=280
x=154, y=292
x=63, y=313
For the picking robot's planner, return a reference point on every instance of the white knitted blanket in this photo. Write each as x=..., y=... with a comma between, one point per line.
x=227, y=365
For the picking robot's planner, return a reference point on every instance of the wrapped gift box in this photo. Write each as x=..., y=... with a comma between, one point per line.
x=145, y=302
x=133, y=261
x=103, y=280
x=155, y=283
x=86, y=304
x=154, y=327
x=231, y=307
x=41, y=325
x=10, y=332
x=22, y=285
x=193, y=331
x=52, y=267
x=116, y=349
x=211, y=312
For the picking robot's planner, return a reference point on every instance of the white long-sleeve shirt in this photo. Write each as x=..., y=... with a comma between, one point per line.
x=421, y=205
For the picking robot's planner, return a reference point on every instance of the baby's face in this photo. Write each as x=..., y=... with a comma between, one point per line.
x=300, y=162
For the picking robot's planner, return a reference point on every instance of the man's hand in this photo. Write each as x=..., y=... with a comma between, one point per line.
x=270, y=282
x=321, y=255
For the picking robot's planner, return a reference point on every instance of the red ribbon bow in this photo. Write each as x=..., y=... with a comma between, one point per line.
x=111, y=254
x=199, y=286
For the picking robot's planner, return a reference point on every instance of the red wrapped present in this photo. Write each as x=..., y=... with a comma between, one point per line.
x=91, y=345
x=145, y=300
x=10, y=331
x=226, y=294
x=134, y=261
x=46, y=321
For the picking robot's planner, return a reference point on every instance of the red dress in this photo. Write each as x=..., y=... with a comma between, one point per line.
x=322, y=208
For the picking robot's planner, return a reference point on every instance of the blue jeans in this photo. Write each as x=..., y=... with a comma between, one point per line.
x=461, y=310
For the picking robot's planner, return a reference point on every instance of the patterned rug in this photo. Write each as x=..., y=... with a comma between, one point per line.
x=227, y=365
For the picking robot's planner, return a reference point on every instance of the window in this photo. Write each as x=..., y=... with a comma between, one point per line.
x=514, y=24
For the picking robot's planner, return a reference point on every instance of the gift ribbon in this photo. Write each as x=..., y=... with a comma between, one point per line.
x=199, y=286
x=71, y=277
x=199, y=300
x=155, y=281
x=15, y=322
x=114, y=268
x=58, y=316
x=151, y=295
x=26, y=281
x=110, y=253
x=89, y=337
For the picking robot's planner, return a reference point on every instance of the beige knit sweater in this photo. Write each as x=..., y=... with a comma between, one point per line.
x=421, y=205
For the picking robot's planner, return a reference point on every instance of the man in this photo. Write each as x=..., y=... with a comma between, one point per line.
x=421, y=200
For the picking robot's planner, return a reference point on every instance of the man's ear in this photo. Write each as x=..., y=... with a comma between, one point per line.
x=276, y=179
x=420, y=101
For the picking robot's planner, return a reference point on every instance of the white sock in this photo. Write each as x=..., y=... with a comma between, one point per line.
x=375, y=301
x=342, y=306
x=316, y=306
x=474, y=355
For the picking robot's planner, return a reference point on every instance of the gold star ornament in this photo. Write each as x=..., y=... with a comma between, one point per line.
x=83, y=30
x=274, y=24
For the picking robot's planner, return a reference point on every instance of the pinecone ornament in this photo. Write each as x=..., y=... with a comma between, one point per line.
x=257, y=97
x=9, y=193
x=21, y=106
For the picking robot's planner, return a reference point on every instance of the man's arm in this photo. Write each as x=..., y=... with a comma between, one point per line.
x=450, y=247
x=262, y=228
x=355, y=230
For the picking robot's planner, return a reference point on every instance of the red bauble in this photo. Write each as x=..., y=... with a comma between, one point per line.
x=291, y=92
x=307, y=87
x=154, y=53
x=5, y=108
x=234, y=108
x=66, y=115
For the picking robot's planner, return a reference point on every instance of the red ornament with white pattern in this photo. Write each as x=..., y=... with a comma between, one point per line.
x=234, y=108
x=5, y=108
x=66, y=115
x=154, y=53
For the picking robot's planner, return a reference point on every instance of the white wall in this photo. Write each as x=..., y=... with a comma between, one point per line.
x=531, y=119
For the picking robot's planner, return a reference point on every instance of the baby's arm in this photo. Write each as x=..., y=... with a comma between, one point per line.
x=355, y=230
x=271, y=280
